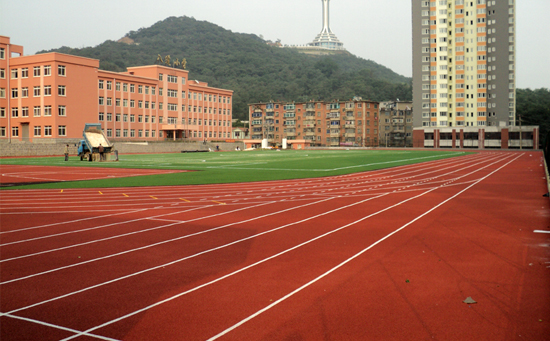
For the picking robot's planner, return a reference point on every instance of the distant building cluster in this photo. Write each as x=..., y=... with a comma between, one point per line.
x=49, y=97
x=336, y=123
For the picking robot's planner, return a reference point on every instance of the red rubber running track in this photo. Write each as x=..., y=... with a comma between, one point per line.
x=381, y=255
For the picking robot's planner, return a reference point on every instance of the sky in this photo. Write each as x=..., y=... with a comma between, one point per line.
x=377, y=30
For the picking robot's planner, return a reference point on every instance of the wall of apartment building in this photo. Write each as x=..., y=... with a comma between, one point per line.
x=463, y=62
x=321, y=123
x=396, y=124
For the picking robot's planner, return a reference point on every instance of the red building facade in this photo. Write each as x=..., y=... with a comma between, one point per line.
x=51, y=96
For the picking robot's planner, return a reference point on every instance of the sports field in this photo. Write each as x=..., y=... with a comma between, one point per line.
x=208, y=168
x=443, y=249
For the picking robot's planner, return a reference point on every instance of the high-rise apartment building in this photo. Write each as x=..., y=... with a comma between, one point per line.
x=464, y=63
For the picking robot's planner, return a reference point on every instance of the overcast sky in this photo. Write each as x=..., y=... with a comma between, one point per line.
x=375, y=30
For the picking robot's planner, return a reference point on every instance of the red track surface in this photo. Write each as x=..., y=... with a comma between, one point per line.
x=11, y=175
x=383, y=255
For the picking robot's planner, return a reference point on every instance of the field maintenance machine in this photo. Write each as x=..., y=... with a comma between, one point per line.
x=93, y=138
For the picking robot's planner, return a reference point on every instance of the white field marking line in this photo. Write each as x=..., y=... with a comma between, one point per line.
x=169, y=240
x=74, y=331
x=168, y=220
x=541, y=231
x=331, y=169
x=235, y=326
x=130, y=203
x=228, y=275
x=52, y=212
x=46, y=194
x=172, y=262
x=129, y=233
x=400, y=181
x=261, y=261
x=98, y=227
x=73, y=221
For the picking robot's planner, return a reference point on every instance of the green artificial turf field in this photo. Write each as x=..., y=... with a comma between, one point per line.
x=226, y=167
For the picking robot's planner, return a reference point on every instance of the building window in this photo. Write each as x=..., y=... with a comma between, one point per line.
x=14, y=93
x=47, y=70
x=61, y=130
x=47, y=90
x=36, y=71
x=109, y=85
x=61, y=90
x=25, y=112
x=117, y=117
x=125, y=118
x=125, y=133
x=109, y=132
x=37, y=130
x=25, y=72
x=2, y=73
x=15, y=131
x=47, y=130
x=2, y=112
x=25, y=92
x=140, y=89
x=62, y=110
x=109, y=101
x=132, y=103
x=117, y=85
x=117, y=133
x=101, y=84
x=132, y=118
x=2, y=53
x=14, y=112
x=48, y=110
x=36, y=91
x=101, y=116
x=160, y=76
x=101, y=100
x=132, y=88
x=14, y=73
x=109, y=117
x=125, y=87
x=61, y=70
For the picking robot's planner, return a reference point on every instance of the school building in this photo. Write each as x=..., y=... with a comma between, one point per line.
x=49, y=97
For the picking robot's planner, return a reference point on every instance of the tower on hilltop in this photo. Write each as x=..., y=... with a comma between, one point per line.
x=327, y=39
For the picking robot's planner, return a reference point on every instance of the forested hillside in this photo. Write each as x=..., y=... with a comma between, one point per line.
x=244, y=63
x=534, y=108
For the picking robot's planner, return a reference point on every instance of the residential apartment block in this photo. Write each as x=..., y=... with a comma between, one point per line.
x=396, y=124
x=337, y=123
x=49, y=97
x=464, y=63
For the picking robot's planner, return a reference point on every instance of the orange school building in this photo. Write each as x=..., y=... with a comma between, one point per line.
x=49, y=97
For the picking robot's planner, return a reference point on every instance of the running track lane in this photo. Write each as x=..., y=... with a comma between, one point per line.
x=462, y=248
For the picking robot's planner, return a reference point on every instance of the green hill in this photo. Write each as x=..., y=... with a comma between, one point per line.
x=244, y=63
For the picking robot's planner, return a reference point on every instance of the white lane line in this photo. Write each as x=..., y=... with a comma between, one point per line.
x=59, y=327
x=169, y=240
x=130, y=233
x=281, y=253
x=73, y=221
x=235, y=326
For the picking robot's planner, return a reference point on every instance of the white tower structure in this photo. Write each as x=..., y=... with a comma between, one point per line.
x=326, y=39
